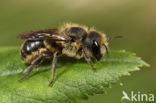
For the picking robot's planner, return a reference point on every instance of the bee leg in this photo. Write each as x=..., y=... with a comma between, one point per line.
x=88, y=59
x=34, y=63
x=54, y=62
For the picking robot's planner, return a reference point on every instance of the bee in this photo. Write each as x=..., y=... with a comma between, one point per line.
x=70, y=39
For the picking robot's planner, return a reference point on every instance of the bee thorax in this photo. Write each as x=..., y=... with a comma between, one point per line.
x=69, y=51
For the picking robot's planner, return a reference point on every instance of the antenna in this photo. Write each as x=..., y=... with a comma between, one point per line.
x=114, y=37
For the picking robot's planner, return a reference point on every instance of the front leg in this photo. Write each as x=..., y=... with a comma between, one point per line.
x=88, y=59
x=54, y=62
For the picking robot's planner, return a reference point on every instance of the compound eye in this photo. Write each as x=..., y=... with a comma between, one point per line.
x=96, y=50
x=95, y=43
x=95, y=47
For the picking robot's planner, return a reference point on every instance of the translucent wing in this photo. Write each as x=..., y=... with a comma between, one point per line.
x=43, y=35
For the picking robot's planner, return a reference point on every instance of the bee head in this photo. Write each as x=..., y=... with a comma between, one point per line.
x=96, y=44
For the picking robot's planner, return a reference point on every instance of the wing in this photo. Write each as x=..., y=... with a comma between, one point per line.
x=43, y=35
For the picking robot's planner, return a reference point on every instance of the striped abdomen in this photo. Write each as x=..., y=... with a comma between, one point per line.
x=31, y=50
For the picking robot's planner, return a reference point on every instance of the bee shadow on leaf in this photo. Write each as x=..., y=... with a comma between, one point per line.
x=62, y=61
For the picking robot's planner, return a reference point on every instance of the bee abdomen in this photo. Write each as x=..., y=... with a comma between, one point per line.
x=31, y=50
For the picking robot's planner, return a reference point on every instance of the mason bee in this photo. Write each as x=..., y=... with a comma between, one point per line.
x=70, y=39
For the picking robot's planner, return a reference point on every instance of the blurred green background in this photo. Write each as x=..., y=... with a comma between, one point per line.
x=134, y=19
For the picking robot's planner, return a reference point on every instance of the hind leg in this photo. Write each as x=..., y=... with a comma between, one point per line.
x=34, y=63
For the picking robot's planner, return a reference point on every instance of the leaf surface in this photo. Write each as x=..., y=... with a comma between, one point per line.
x=74, y=78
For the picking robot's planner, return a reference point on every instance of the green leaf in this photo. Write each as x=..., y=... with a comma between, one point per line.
x=74, y=78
